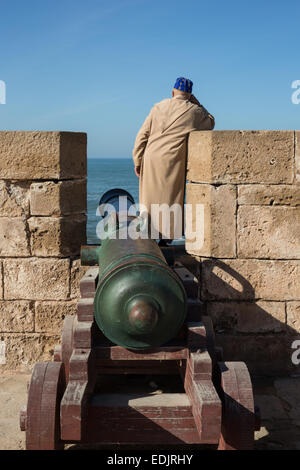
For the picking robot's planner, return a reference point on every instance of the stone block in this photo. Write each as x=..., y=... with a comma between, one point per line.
x=213, y=228
x=16, y=316
x=241, y=157
x=51, y=198
x=49, y=316
x=249, y=279
x=73, y=234
x=36, y=278
x=293, y=315
x=248, y=317
x=42, y=155
x=13, y=237
x=53, y=236
x=288, y=390
x=14, y=199
x=297, y=156
x=269, y=194
x=45, y=236
x=268, y=232
x=264, y=354
x=1, y=280
x=77, y=272
x=22, y=351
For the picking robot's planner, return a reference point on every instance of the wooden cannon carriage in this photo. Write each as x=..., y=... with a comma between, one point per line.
x=66, y=404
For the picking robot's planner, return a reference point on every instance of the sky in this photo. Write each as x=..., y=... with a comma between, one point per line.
x=98, y=66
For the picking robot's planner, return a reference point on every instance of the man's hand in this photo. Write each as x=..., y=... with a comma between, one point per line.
x=137, y=170
x=194, y=100
x=212, y=120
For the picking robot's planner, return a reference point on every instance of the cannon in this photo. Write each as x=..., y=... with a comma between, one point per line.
x=138, y=316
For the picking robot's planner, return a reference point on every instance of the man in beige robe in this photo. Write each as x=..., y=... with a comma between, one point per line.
x=160, y=150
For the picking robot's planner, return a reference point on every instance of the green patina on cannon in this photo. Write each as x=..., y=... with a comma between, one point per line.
x=140, y=302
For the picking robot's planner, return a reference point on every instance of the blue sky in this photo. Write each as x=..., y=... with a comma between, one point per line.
x=98, y=66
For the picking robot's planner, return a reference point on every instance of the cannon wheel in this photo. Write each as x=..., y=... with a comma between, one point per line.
x=238, y=418
x=45, y=392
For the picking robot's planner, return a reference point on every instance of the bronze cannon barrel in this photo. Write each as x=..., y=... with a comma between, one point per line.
x=140, y=302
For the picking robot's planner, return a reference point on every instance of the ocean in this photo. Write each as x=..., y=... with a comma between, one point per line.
x=105, y=174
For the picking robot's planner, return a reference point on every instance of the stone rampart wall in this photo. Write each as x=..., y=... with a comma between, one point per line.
x=249, y=264
x=248, y=183
x=42, y=226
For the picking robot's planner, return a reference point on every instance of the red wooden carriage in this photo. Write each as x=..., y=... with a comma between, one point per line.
x=67, y=405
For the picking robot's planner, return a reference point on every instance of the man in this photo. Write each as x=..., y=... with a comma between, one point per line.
x=160, y=150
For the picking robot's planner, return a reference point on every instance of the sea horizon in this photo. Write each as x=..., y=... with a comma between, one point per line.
x=110, y=158
x=105, y=173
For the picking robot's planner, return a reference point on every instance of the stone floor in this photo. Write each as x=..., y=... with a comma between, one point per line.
x=278, y=399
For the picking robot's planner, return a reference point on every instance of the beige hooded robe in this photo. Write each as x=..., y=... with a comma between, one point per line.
x=160, y=149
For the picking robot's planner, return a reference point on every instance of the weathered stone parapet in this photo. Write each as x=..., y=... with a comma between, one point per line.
x=250, y=279
x=36, y=278
x=248, y=184
x=1, y=279
x=269, y=195
x=42, y=226
x=14, y=198
x=219, y=204
x=248, y=317
x=23, y=350
x=77, y=272
x=43, y=198
x=17, y=316
x=267, y=354
x=293, y=315
x=42, y=155
x=51, y=198
x=57, y=236
x=49, y=316
x=241, y=157
x=268, y=232
x=297, y=156
x=14, y=239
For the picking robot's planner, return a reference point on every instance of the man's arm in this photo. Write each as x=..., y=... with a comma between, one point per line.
x=141, y=143
x=210, y=122
x=206, y=121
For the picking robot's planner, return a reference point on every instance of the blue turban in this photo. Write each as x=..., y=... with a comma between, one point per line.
x=184, y=84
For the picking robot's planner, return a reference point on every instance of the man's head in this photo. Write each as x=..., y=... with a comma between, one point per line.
x=183, y=87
